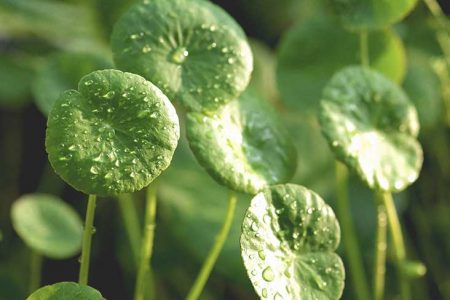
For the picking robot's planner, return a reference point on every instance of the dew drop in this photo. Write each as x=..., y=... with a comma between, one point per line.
x=72, y=148
x=264, y=293
x=261, y=254
x=88, y=82
x=94, y=170
x=268, y=275
x=254, y=226
x=146, y=49
x=179, y=55
x=231, y=60
x=109, y=95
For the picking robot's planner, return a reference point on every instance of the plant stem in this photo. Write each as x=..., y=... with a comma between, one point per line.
x=147, y=244
x=349, y=237
x=364, y=48
x=35, y=272
x=398, y=243
x=211, y=259
x=87, y=239
x=380, y=248
x=131, y=222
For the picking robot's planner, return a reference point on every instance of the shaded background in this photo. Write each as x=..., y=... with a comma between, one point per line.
x=191, y=205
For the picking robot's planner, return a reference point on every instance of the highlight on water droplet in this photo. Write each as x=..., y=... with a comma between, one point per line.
x=179, y=55
x=268, y=274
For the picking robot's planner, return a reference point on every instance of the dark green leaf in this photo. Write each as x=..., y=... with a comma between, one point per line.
x=47, y=225
x=370, y=14
x=192, y=50
x=371, y=126
x=115, y=135
x=306, y=63
x=243, y=145
x=66, y=291
x=288, y=240
x=62, y=72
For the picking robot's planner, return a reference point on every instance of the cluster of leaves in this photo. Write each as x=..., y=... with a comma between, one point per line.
x=119, y=131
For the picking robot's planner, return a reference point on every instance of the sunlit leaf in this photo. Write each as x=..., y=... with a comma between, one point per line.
x=192, y=50
x=47, y=225
x=115, y=135
x=372, y=127
x=243, y=145
x=288, y=240
x=306, y=62
x=371, y=14
x=66, y=291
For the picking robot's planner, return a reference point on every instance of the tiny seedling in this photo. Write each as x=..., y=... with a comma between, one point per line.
x=288, y=240
x=66, y=291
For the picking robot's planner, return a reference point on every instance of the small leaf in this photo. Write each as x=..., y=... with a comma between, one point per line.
x=288, y=240
x=66, y=291
x=370, y=14
x=192, y=50
x=372, y=127
x=47, y=225
x=62, y=72
x=115, y=135
x=243, y=145
x=305, y=62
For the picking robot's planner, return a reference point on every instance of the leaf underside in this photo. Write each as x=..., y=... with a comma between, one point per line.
x=66, y=291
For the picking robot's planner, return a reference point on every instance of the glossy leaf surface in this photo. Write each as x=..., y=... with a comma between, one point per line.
x=47, y=225
x=66, y=291
x=62, y=72
x=305, y=62
x=288, y=240
x=192, y=50
x=243, y=145
x=371, y=126
x=115, y=135
x=371, y=14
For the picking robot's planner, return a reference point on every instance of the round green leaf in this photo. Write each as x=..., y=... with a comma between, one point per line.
x=62, y=72
x=47, y=225
x=115, y=135
x=66, y=291
x=371, y=14
x=192, y=50
x=371, y=126
x=243, y=145
x=288, y=240
x=305, y=62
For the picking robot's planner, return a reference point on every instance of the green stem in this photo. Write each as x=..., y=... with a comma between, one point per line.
x=147, y=244
x=131, y=222
x=87, y=239
x=364, y=47
x=35, y=272
x=210, y=261
x=349, y=237
x=398, y=243
x=380, y=248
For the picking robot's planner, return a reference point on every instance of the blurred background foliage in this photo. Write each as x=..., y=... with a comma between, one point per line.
x=46, y=45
